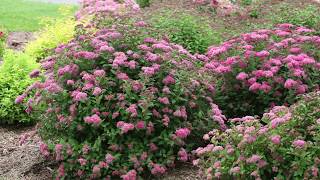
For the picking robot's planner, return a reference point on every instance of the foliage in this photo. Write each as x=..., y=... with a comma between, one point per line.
x=53, y=33
x=192, y=32
x=308, y=16
x=284, y=144
x=21, y=15
x=3, y=36
x=144, y=3
x=13, y=81
x=264, y=68
x=116, y=112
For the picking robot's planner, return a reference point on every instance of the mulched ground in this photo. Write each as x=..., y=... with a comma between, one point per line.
x=24, y=162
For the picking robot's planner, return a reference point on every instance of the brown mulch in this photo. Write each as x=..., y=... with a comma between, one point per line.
x=20, y=161
x=18, y=40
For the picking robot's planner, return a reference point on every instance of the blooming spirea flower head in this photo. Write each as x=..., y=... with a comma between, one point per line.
x=182, y=132
x=299, y=143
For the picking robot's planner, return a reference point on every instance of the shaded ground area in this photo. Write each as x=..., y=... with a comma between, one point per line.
x=21, y=161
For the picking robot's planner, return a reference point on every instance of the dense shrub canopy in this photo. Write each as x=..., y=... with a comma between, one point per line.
x=114, y=102
x=116, y=112
x=190, y=31
x=284, y=144
x=264, y=68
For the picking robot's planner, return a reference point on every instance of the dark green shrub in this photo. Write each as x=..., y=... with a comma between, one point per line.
x=190, y=31
x=144, y=3
x=308, y=16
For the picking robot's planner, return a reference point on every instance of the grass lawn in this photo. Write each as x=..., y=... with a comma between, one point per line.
x=25, y=15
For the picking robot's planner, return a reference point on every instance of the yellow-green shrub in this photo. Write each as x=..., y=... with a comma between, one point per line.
x=55, y=32
x=13, y=81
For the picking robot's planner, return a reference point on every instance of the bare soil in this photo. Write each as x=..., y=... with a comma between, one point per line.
x=21, y=160
x=18, y=40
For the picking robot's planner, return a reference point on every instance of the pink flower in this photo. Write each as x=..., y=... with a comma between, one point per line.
x=253, y=159
x=181, y=112
x=299, y=144
x=262, y=54
x=34, y=73
x=290, y=83
x=235, y=170
x=131, y=175
x=94, y=119
x=183, y=155
x=255, y=86
x=82, y=161
x=44, y=150
x=140, y=125
x=61, y=170
x=58, y=149
x=137, y=86
x=122, y=76
x=125, y=127
x=217, y=165
x=96, y=170
x=97, y=91
x=158, y=169
x=242, y=76
x=182, y=132
x=164, y=100
x=166, y=120
x=315, y=171
x=153, y=147
x=99, y=73
x=133, y=110
x=79, y=96
x=206, y=137
x=169, y=80
x=109, y=158
x=276, y=139
x=20, y=98
x=70, y=82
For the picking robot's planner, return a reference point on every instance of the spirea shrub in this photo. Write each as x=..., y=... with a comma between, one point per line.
x=284, y=144
x=264, y=68
x=113, y=112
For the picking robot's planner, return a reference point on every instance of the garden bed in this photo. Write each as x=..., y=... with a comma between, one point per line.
x=25, y=162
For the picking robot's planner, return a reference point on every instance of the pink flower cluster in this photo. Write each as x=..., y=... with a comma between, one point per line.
x=268, y=74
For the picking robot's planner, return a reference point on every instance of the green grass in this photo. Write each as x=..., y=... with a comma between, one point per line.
x=26, y=15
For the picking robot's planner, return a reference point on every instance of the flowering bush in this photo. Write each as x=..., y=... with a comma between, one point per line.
x=264, y=68
x=113, y=111
x=284, y=144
